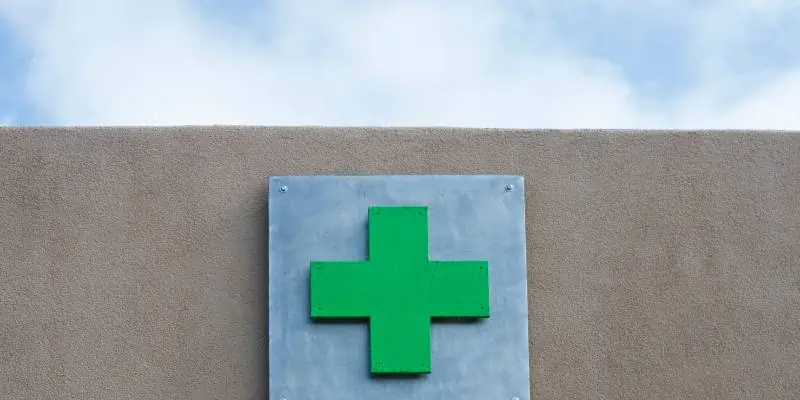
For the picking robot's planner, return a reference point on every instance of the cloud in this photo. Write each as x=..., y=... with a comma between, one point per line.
x=410, y=63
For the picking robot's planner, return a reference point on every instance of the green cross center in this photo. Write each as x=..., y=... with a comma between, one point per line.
x=399, y=290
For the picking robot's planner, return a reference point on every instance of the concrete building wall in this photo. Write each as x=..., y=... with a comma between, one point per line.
x=661, y=264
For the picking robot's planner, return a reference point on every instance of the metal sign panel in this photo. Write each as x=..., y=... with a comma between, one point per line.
x=397, y=287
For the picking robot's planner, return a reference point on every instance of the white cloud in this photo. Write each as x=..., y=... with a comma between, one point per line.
x=457, y=63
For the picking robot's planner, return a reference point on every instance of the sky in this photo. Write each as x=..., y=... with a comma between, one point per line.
x=640, y=64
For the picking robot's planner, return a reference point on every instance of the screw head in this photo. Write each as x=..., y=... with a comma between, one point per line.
x=284, y=189
x=509, y=188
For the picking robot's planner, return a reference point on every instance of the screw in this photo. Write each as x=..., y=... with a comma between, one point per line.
x=284, y=189
x=509, y=188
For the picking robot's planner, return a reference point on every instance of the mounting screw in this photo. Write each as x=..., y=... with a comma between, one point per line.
x=509, y=188
x=284, y=189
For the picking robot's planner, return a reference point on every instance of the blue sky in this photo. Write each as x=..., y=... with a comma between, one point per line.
x=514, y=64
x=12, y=68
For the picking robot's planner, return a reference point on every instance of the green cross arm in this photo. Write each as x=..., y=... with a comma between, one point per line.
x=399, y=289
x=340, y=289
x=459, y=289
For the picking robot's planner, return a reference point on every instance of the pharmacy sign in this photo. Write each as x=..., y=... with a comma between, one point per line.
x=397, y=287
x=399, y=290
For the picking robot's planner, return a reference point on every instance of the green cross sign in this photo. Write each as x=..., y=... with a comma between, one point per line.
x=399, y=290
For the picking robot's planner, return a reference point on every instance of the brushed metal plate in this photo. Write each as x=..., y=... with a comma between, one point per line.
x=325, y=218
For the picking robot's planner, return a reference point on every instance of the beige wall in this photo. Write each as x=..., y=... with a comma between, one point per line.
x=661, y=264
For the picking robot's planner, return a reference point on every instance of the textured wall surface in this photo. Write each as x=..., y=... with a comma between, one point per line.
x=660, y=264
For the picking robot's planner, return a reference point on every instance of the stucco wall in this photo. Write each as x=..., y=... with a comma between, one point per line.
x=661, y=264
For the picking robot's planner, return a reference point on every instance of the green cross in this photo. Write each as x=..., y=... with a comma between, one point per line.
x=399, y=290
